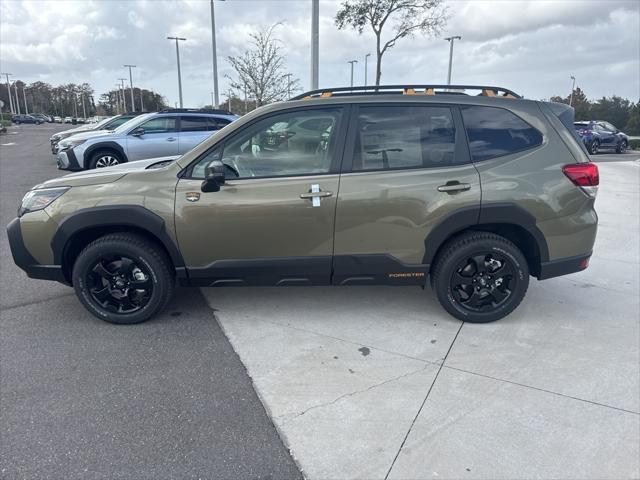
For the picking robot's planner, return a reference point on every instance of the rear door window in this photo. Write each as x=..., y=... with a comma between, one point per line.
x=196, y=124
x=493, y=132
x=400, y=137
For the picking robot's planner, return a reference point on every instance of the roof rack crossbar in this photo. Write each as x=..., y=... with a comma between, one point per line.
x=195, y=110
x=485, y=90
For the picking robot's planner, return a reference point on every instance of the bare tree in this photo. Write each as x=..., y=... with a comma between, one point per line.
x=260, y=70
x=406, y=17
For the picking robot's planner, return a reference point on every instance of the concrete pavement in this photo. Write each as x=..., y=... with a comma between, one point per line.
x=380, y=383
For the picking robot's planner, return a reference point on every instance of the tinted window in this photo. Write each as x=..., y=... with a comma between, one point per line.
x=159, y=125
x=196, y=124
x=495, y=131
x=116, y=122
x=404, y=137
x=282, y=145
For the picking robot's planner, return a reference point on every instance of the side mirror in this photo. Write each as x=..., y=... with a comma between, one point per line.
x=213, y=177
x=138, y=132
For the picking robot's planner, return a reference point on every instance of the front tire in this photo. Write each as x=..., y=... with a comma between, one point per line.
x=105, y=158
x=622, y=147
x=480, y=277
x=123, y=278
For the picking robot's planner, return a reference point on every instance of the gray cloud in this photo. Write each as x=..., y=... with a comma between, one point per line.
x=529, y=46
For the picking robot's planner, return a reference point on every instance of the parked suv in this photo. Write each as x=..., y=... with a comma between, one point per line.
x=110, y=123
x=600, y=135
x=397, y=186
x=166, y=133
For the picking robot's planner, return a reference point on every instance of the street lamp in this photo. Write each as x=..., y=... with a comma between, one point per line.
x=9, y=91
x=573, y=87
x=366, y=57
x=288, y=75
x=451, y=40
x=177, y=39
x=215, y=103
x=133, y=105
x=315, y=41
x=124, y=97
x=24, y=96
x=15, y=87
x=352, y=62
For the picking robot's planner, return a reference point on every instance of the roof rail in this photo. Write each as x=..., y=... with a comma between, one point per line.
x=484, y=90
x=195, y=110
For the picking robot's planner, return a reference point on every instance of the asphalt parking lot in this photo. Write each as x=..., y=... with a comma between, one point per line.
x=80, y=398
x=360, y=382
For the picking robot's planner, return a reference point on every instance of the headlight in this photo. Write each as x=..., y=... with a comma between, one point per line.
x=67, y=144
x=39, y=199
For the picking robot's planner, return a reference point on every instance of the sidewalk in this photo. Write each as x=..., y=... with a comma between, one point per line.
x=376, y=382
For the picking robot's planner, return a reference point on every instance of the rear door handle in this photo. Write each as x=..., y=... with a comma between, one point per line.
x=453, y=187
x=316, y=194
x=171, y=139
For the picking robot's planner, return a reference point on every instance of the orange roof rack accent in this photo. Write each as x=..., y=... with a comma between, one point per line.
x=488, y=93
x=429, y=91
x=409, y=91
x=326, y=94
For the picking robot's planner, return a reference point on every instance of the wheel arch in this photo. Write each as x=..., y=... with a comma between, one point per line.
x=506, y=219
x=106, y=146
x=86, y=225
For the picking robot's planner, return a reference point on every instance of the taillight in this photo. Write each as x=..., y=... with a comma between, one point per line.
x=584, y=175
x=584, y=131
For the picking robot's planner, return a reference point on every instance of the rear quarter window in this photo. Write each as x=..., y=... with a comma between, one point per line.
x=494, y=132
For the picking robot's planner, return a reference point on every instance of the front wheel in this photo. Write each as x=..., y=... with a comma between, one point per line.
x=622, y=147
x=480, y=277
x=123, y=278
x=104, y=158
x=595, y=146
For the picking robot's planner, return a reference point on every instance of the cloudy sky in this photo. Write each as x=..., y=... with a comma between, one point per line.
x=531, y=47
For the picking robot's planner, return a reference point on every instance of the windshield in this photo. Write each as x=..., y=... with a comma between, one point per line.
x=102, y=123
x=125, y=127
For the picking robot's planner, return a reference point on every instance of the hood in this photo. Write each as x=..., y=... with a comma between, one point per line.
x=73, y=131
x=103, y=175
x=89, y=134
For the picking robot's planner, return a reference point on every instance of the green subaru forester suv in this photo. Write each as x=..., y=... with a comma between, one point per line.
x=471, y=188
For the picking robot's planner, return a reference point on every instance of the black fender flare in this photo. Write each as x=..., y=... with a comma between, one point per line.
x=106, y=145
x=476, y=216
x=114, y=216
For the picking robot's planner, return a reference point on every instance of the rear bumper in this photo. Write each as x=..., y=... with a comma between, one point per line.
x=564, y=266
x=25, y=260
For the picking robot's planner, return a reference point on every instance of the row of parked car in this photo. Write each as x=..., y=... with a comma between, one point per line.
x=136, y=136
x=40, y=118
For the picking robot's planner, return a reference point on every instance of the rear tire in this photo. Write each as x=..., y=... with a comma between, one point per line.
x=105, y=158
x=123, y=278
x=480, y=277
x=595, y=146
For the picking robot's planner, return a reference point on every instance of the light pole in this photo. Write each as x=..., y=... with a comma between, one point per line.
x=119, y=107
x=84, y=111
x=9, y=92
x=451, y=40
x=215, y=103
x=24, y=96
x=352, y=62
x=366, y=57
x=124, y=97
x=133, y=105
x=177, y=39
x=315, y=41
x=573, y=87
x=15, y=87
x=288, y=75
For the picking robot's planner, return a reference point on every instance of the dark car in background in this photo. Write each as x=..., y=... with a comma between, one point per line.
x=18, y=119
x=600, y=135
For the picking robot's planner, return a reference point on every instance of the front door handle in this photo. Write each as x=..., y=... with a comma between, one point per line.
x=171, y=139
x=315, y=194
x=454, y=187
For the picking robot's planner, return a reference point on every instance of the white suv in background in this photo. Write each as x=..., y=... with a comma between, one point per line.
x=162, y=134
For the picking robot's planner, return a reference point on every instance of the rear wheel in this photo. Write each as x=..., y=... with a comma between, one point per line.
x=595, y=146
x=123, y=278
x=480, y=277
x=105, y=158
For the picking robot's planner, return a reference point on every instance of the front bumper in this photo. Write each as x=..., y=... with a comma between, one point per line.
x=67, y=160
x=25, y=260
